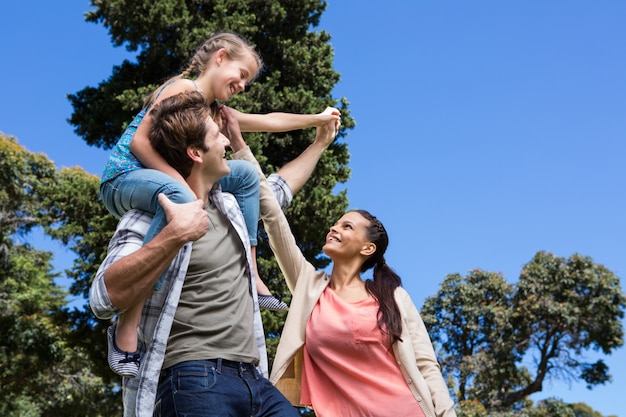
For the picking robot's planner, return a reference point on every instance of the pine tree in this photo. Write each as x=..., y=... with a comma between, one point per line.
x=298, y=77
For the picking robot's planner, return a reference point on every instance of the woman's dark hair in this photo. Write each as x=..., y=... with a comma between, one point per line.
x=385, y=280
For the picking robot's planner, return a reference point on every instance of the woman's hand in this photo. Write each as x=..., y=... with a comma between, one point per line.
x=329, y=114
x=230, y=129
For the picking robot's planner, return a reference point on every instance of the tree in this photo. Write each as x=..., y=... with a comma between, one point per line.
x=564, y=307
x=71, y=213
x=499, y=342
x=550, y=407
x=469, y=318
x=41, y=371
x=298, y=77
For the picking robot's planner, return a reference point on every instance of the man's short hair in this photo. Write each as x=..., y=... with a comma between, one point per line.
x=179, y=122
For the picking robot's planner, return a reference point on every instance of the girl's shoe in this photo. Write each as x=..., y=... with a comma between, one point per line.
x=121, y=362
x=270, y=302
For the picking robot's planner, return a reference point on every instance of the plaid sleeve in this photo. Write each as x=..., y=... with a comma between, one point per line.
x=281, y=190
x=128, y=238
x=278, y=185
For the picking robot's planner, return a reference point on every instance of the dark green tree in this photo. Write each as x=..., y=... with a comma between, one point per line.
x=298, y=77
x=42, y=372
x=499, y=342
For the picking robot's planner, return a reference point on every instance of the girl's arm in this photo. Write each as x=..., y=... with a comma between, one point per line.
x=140, y=145
x=283, y=122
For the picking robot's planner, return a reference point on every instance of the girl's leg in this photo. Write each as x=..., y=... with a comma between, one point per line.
x=137, y=189
x=123, y=356
x=243, y=183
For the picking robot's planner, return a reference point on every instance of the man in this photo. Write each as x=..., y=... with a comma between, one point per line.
x=201, y=336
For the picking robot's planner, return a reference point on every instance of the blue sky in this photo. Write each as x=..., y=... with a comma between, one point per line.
x=486, y=130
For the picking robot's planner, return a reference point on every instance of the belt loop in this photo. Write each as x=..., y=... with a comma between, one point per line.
x=218, y=365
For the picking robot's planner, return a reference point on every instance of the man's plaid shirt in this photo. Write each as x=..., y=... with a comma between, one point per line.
x=139, y=393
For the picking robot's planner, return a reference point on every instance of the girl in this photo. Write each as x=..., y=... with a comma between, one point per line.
x=220, y=68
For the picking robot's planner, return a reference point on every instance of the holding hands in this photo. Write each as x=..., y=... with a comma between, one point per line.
x=328, y=115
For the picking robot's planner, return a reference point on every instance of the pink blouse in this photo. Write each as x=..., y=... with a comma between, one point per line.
x=348, y=367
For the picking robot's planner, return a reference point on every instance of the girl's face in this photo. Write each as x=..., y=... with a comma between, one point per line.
x=347, y=237
x=232, y=75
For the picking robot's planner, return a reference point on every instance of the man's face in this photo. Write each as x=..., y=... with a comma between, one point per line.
x=214, y=161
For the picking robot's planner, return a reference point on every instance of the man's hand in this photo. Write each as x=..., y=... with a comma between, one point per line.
x=189, y=221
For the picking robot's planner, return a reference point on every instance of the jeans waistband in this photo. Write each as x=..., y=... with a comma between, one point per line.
x=225, y=363
x=220, y=366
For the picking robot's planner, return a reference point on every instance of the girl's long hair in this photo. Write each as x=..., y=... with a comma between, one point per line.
x=385, y=281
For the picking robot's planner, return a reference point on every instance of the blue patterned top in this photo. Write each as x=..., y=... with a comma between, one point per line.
x=122, y=159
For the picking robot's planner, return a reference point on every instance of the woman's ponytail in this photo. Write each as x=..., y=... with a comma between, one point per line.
x=385, y=280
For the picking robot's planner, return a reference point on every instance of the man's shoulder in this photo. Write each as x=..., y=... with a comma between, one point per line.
x=135, y=217
x=136, y=220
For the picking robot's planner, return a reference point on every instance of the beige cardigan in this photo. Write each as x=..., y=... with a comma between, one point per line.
x=415, y=354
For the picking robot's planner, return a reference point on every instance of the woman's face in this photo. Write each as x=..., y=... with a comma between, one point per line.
x=347, y=237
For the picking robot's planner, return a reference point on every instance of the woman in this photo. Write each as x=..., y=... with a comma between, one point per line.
x=351, y=347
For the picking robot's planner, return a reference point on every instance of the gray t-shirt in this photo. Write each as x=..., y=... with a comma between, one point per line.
x=214, y=315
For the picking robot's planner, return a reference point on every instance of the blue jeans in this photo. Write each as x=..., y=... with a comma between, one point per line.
x=218, y=388
x=139, y=189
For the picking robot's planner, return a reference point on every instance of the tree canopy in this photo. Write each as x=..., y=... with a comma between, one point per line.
x=43, y=368
x=499, y=341
x=298, y=77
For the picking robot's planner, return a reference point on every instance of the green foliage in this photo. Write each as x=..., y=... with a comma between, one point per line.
x=470, y=319
x=22, y=176
x=550, y=407
x=490, y=332
x=297, y=77
x=71, y=212
x=41, y=371
x=583, y=410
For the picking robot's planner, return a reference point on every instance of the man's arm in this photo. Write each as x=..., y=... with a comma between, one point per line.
x=130, y=279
